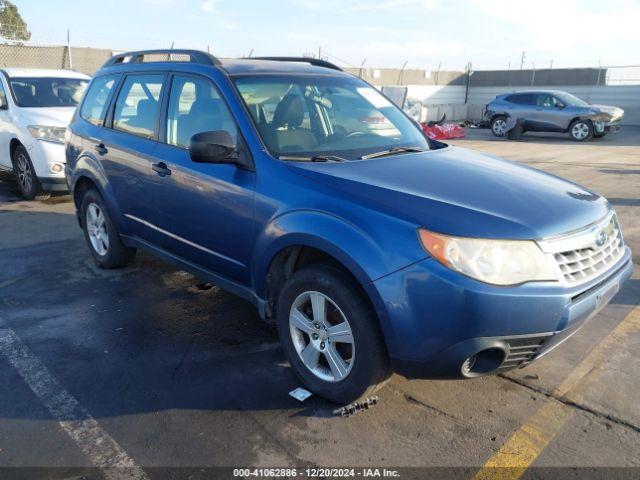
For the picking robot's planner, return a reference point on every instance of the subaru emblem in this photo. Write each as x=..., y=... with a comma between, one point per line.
x=601, y=238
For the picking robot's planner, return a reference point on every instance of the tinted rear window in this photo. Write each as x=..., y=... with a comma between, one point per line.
x=138, y=104
x=523, y=99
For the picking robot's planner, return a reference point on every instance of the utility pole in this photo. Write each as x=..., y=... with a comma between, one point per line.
x=362, y=67
x=524, y=54
x=400, y=75
x=69, y=49
x=551, y=65
x=319, y=53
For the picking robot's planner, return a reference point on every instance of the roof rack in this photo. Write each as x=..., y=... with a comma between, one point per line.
x=313, y=61
x=195, y=56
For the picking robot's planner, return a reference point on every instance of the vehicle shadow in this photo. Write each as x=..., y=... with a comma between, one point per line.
x=141, y=339
x=628, y=136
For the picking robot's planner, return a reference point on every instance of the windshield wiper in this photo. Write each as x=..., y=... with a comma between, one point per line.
x=315, y=158
x=391, y=151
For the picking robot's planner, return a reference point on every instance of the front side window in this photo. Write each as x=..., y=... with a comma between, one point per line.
x=546, y=100
x=47, y=92
x=571, y=100
x=138, y=105
x=195, y=106
x=308, y=116
x=95, y=102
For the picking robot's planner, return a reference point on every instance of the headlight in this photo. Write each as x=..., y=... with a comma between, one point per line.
x=50, y=134
x=498, y=262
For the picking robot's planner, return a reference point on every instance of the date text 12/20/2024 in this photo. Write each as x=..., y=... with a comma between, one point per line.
x=315, y=473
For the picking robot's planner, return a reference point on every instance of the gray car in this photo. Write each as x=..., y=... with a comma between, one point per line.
x=551, y=111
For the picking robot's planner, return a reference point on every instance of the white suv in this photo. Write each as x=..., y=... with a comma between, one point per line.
x=35, y=109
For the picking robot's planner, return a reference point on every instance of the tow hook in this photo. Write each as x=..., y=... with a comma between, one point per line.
x=357, y=407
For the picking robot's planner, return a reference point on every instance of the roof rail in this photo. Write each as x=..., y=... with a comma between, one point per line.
x=195, y=56
x=313, y=61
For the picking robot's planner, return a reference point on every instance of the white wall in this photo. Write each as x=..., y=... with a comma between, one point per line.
x=438, y=100
x=449, y=99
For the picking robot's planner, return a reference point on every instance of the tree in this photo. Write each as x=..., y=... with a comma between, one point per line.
x=12, y=26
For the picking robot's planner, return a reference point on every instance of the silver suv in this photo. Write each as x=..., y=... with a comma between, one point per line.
x=551, y=111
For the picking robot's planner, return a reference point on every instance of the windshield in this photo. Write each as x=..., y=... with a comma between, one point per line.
x=306, y=116
x=47, y=92
x=571, y=100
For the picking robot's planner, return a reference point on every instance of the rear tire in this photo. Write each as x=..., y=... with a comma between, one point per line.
x=28, y=184
x=101, y=234
x=581, y=130
x=499, y=126
x=333, y=368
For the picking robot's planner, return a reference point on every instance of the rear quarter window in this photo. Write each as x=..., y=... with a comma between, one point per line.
x=96, y=100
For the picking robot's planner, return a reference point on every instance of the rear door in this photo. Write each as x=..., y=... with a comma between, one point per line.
x=125, y=148
x=523, y=107
x=203, y=212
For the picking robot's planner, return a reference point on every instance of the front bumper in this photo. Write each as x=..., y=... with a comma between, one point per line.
x=53, y=184
x=43, y=155
x=435, y=319
x=612, y=126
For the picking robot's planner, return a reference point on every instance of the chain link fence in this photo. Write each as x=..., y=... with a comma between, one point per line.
x=22, y=55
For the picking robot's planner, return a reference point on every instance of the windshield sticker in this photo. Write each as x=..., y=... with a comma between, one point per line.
x=374, y=97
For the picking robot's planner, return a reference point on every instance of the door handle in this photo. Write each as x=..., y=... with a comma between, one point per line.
x=161, y=169
x=101, y=149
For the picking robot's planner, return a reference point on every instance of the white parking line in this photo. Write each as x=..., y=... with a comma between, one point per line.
x=102, y=450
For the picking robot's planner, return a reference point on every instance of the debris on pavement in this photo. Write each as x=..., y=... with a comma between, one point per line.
x=356, y=407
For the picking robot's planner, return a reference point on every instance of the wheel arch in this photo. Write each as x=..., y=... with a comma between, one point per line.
x=498, y=114
x=13, y=145
x=86, y=174
x=304, y=237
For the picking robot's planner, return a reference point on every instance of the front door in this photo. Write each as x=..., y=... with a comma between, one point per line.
x=203, y=212
x=548, y=115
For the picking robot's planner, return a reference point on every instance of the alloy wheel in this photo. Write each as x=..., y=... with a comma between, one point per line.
x=499, y=127
x=322, y=336
x=580, y=131
x=25, y=175
x=97, y=229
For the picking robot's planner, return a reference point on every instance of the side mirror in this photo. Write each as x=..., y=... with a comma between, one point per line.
x=217, y=146
x=560, y=105
x=3, y=102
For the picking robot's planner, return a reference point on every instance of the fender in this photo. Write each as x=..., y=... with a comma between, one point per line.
x=88, y=166
x=345, y=242
x=348, y=244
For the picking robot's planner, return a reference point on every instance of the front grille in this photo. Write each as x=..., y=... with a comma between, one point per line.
x=521, y=350
x=583, y=264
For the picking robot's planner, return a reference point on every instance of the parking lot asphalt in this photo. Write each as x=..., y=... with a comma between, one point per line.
x=148, y=367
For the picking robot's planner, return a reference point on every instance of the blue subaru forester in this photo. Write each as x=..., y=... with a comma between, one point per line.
x=304, y=190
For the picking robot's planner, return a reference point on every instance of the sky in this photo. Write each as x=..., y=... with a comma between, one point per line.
x=381, y=33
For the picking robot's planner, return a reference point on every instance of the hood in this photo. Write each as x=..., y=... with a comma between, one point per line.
x=615, y=113
x=48, y=116
x=461, y=192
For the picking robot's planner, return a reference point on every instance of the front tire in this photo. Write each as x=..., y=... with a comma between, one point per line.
x=25, y=174
x=581, y=130
x=499, y=126
x=101, y=234
x=331, y=335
